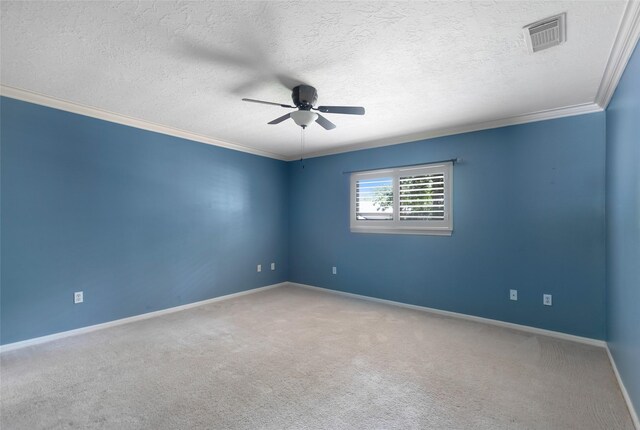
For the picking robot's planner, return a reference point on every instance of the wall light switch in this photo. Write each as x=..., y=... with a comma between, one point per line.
x=546, y=299
x=513, y=294
x=335, y=270
x=78, y=297
x=273, y=266
x=259, y=267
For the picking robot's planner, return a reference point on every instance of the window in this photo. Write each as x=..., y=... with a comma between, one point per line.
x=404, y=200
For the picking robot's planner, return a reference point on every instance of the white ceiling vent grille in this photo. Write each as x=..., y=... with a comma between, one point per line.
x=546, y=33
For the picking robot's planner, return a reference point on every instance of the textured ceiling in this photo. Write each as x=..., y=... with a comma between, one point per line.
x=415, y=66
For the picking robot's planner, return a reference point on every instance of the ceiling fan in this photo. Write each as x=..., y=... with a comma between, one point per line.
x=304, y=96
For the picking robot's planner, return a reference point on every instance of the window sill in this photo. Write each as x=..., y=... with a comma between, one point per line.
x=422, y=232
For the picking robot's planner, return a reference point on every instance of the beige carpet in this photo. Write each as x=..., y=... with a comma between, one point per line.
x=291, y=358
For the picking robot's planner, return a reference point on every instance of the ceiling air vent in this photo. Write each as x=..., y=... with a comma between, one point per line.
x=546, y=33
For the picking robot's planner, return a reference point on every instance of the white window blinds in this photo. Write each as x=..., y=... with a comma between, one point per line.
x=374, y=199
x=422, y=197
x=405, y=200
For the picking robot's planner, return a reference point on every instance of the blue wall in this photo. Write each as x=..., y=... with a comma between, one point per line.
x=142, y=221
x=623, y=227
x=137, y=220
x=529, y=205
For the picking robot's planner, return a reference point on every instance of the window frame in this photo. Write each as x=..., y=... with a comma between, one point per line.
x=397, y=226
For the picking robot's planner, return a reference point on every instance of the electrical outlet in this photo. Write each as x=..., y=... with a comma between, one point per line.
x=546, y=299
x=335, y=270
x=259, y=267
x=513, y=294
x=78, y=297
x=273, y=266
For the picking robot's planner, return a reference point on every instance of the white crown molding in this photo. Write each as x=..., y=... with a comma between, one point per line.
x=543, y=115
x=52, y=102
x=524, y=328
x=626, y=41
x=625, y=394
x=55, y=103
x=88, y=329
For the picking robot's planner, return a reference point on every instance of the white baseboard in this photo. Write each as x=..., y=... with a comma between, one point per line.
x=88, y=329
x=528, y=329
x=38, y=340
x=625, y=394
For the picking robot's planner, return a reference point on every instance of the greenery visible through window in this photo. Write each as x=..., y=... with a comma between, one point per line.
x=375, y=198
x=414, y=199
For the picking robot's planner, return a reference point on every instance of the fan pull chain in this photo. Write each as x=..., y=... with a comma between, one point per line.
x=302, y=145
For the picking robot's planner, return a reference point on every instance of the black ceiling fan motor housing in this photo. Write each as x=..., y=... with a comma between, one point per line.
x=304, y=97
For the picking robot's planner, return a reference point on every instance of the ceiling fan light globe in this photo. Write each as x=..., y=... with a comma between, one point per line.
x=304, y=117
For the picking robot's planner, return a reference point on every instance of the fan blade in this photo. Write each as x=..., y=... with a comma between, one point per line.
x=351, y=110
x=279, y=120
x=268, y=103
x=325, y=123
